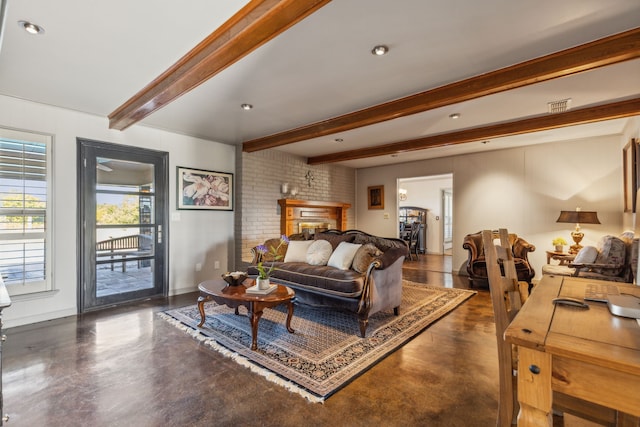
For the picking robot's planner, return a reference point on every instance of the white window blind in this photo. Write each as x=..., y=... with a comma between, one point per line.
x=24, y=211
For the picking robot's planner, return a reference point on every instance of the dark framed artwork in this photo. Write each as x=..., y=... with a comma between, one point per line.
x=204, y=190
x=630, y=158
x=376, y=197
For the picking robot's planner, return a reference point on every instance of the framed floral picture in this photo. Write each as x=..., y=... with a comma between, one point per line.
x=202, y=189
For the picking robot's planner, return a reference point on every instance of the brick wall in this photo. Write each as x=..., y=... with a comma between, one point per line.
x=258, y=184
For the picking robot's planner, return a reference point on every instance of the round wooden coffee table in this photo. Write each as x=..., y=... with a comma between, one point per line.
x=236, y=296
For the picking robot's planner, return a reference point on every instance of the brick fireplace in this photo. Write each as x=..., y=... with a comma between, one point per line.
x=299, y=215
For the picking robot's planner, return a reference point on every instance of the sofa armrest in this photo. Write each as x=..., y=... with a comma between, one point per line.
x=589, y=266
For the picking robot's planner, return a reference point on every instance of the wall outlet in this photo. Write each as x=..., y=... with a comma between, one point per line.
x=198, y=267
x=216, y=265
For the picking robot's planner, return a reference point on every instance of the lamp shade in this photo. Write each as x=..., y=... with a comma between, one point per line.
x=579, y=217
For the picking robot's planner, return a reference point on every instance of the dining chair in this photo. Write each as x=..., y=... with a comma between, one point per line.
x=507, y=296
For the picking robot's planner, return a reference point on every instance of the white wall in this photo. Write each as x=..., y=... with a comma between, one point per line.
x=523, y=189
x=199, y=236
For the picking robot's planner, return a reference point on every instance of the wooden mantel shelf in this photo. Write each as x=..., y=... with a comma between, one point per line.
x=295, y=211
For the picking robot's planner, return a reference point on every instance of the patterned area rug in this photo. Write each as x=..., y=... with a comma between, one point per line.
x=326, y=352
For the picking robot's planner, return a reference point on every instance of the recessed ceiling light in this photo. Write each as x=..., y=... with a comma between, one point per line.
x=246, y=106
x=30, y=27
x=454, y=116
x=380, y=50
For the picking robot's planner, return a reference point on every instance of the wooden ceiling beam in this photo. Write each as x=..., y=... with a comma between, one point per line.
x=607, y=51
x=591, y=114
x=255, y=24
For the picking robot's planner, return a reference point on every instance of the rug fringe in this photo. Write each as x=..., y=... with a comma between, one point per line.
x=241, y=360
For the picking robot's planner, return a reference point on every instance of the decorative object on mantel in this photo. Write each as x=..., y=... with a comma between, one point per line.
x=578, y=217
x=235, y=278
x=559, y=243
x=375, y=197
x=309, y=177
x=305, y=362
x=288, y=191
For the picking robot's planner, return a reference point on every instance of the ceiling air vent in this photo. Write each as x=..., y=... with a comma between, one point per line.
x=559, y=106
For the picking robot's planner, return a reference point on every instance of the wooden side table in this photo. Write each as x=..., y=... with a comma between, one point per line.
x=563, y=258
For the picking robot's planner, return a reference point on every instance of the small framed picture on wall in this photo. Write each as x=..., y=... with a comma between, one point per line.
x=376, y=197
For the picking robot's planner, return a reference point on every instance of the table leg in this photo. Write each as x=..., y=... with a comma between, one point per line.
x=201, y=301
x=534, y=388
x=289, y=316
x=255, y=315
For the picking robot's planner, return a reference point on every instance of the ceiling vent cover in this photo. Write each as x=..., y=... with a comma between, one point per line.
x=559, y=106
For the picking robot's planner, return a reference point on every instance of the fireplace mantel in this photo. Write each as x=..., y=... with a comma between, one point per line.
x=295, y=211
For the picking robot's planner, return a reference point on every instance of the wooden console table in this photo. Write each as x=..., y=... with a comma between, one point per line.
x=296, y=211
x=589, y=354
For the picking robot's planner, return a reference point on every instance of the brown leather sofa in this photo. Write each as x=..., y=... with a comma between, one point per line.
x=477, y=267
x=377, y=288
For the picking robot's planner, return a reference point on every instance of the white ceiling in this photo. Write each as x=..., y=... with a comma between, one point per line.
x=95, y=55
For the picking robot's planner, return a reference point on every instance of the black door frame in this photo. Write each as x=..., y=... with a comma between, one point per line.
x=87, y=152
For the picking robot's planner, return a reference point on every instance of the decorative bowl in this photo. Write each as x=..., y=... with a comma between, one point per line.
x=234, y=279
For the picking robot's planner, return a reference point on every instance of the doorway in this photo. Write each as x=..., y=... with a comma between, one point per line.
x=122, y=211
x=434, y=193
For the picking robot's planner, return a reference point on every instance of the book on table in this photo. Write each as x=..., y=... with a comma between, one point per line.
x=257, y=291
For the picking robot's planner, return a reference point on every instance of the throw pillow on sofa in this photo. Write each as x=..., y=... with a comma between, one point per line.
x=587, y=255
x=271, y=245
x=364, y=257
x=611, y=250
x=297, y=251
x=342, y=257
x=319, y=252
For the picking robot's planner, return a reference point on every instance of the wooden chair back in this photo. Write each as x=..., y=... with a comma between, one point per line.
x=507, y=296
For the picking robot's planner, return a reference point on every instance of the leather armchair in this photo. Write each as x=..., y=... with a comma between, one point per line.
x=477, y=267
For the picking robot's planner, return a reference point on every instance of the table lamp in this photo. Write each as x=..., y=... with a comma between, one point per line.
x=578, y=217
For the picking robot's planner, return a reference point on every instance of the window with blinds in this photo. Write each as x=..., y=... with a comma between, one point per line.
x=24, y=211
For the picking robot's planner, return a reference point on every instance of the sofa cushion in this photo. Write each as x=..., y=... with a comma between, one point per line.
x=297, y=251
x=587, y=255
x=334, y=239
x=364, y=257
x=319, y=278
x=319, y=252
x=342, y=256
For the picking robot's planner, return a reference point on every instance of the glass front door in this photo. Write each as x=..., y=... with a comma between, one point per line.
x=123, y=193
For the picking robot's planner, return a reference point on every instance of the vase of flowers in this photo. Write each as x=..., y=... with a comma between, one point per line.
x=264, y=273
x=559, y=243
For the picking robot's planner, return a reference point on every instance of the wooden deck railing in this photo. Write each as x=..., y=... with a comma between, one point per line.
x=119, y=248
